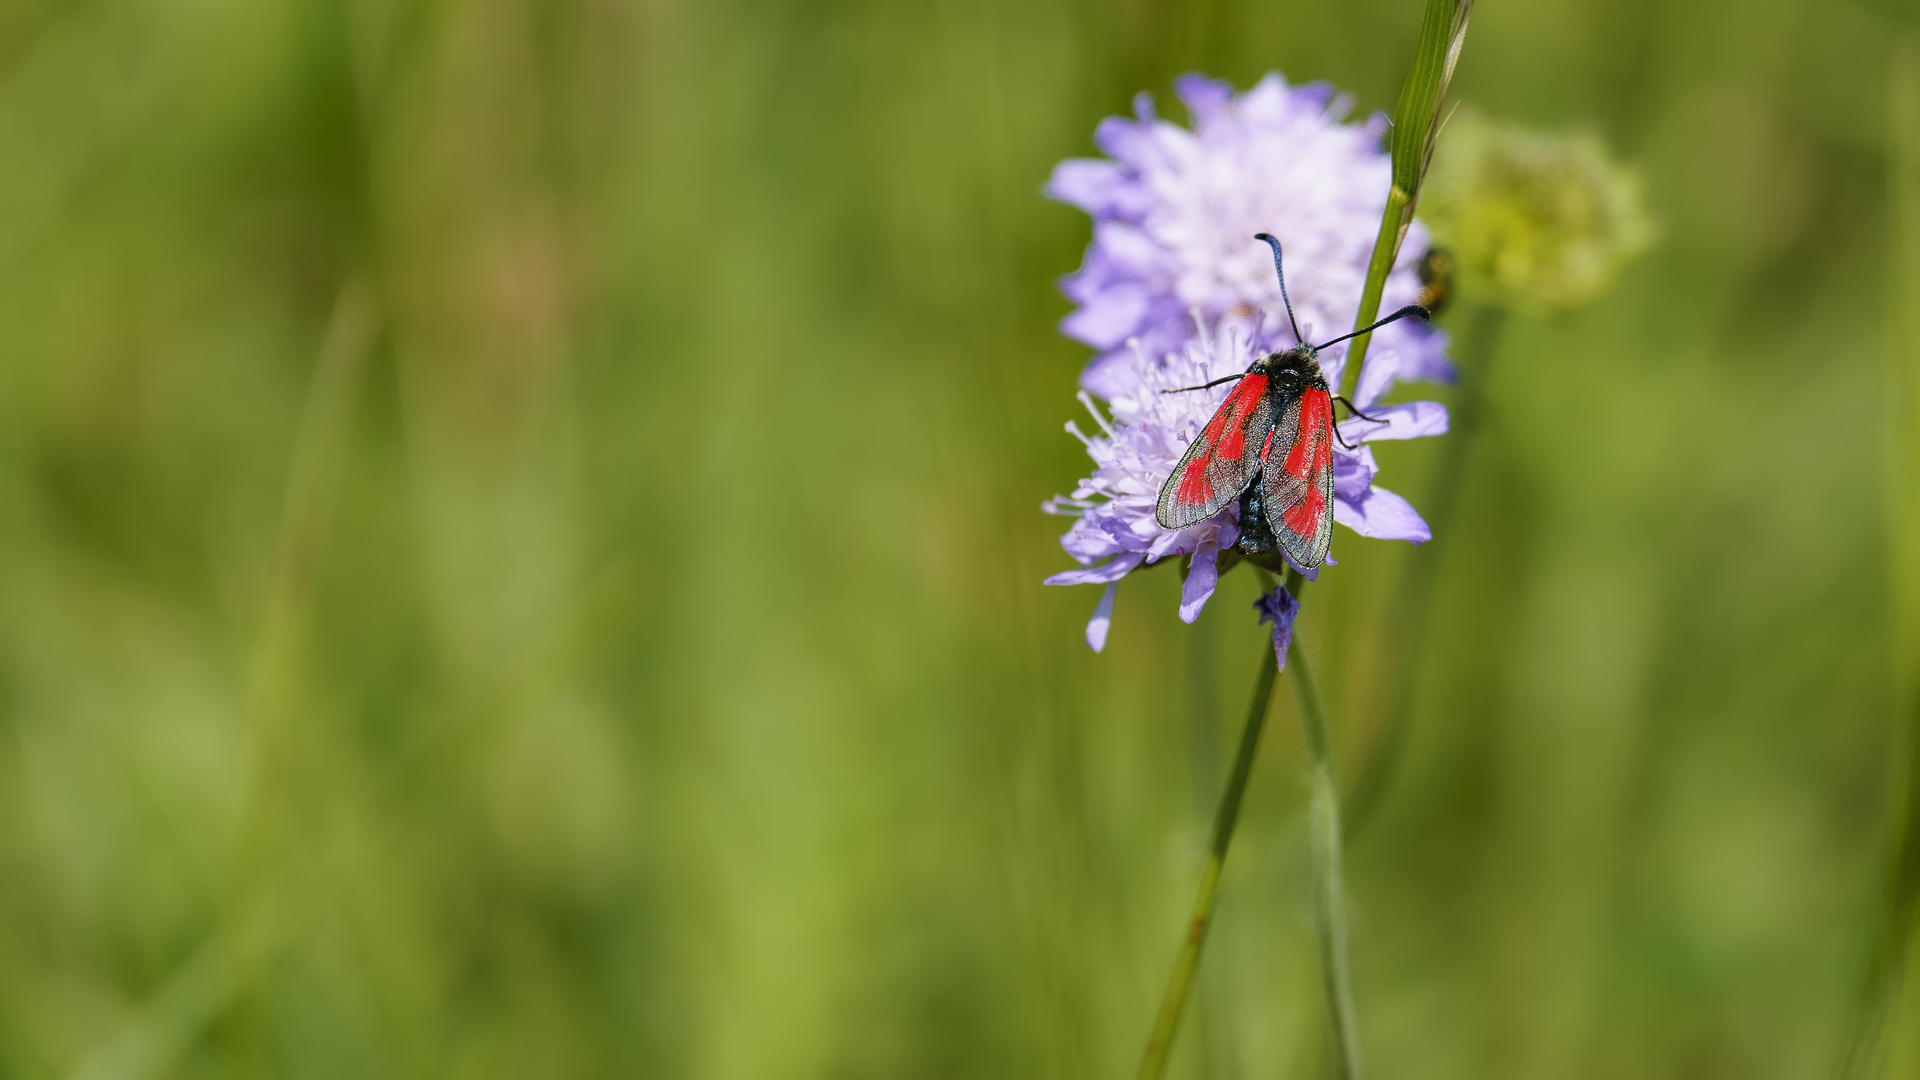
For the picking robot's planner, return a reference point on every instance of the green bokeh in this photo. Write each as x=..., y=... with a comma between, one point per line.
x=520, y=556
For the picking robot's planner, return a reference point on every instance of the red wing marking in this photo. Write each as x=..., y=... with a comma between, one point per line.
x=1233, y=414
x=1219, y=464
x=1308, y=442
x=1193, y=483
x=1299, y=494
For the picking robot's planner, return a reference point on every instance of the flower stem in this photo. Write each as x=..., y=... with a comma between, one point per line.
x=1154, y=1064
x=1330, y=901
x=1203, y=762
x=1416, y=124
x=1386, y=247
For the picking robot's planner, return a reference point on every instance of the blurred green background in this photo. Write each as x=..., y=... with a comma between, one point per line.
x=519, y=556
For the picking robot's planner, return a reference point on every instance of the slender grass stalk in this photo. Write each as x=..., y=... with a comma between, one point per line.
x=1473, y=357
x=154, y=1037
x=1416, y=124
x=1329, y=885
x=1886, y=966
x=1203, y=758
x=1154, y=1063
x=305, y=526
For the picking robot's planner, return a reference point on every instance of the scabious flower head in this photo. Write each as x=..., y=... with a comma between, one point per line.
x=1175, y=211
x=1175, y=292
x=1135, y=449
x=1536, y=221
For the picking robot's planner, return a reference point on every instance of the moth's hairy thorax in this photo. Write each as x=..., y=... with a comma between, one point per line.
x=1288, y=373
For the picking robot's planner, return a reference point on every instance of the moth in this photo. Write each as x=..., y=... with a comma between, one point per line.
x=1269, y=445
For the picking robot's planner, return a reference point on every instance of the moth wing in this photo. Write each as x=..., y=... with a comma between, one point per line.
x=1222, y=460
x=1297, y=484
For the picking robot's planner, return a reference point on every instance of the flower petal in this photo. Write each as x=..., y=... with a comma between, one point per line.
x=1353, y=473
x=1108, y=319
x=1102, y=618
x=1204, y=98
x=1410, y=420
x=1381, y=514
x=1112, y=570
x=1424, y=356
x=1406, y=351
x=1127, y=251
x=1202, y=576
x=1092, y=185
x=1109, y=375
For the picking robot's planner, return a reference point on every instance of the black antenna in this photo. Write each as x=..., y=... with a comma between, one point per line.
x=1282, y=275
x=1204, y=385
x=1410, y=309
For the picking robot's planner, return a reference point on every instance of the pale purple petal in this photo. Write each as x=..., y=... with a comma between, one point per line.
x=1406, y=351
x=1102, y=618
x=1381, y=514
x=1112, y=570
x=1411, y=420
x=1126, y=249
x=1377, y=375
x=1109, y=320
x=1353, y=473
x=1423, y=353
x=1123, y=140
x=1108, y=375
x=1090, y=539
x=1202, y=576
x=1204, y=98
x=1098, y=187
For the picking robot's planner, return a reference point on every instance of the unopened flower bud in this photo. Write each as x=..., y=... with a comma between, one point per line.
x=1533, y=220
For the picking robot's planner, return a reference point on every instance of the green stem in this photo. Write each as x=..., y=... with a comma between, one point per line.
x=1416, y=125
x=1203, y=733
x=1154, y=1064
x=1474, y=357
x=1386, y=247
x=1330, y=901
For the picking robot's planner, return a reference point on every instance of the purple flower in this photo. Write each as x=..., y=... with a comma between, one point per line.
x=1174, y=216
x=1136, y=449
x=1279, y=607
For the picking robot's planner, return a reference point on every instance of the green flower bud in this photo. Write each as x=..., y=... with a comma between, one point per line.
x=1533, y=220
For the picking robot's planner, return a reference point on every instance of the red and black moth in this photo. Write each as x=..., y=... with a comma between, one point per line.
x=1269, y=445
